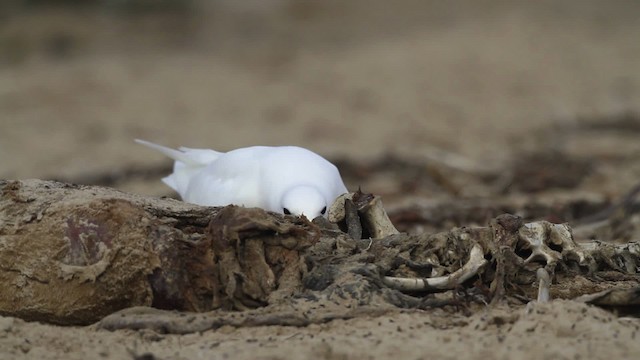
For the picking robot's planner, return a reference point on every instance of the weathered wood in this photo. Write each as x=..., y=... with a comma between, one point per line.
x=72, y=254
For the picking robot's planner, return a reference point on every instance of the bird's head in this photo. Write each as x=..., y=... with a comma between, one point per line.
x=304, y=200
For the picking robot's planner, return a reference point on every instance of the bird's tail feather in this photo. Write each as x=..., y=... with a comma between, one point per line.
x=188, y=163
x=172, y=153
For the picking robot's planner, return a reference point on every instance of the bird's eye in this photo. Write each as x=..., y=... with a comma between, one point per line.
x=324, y=210
x=286, y=211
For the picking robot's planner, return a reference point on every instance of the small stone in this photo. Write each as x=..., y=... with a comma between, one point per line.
x=6, y=324
x=25, y=346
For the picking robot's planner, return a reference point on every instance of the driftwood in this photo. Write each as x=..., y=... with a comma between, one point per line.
x=74, y=254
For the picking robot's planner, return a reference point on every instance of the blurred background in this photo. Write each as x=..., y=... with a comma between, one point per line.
x=468, y=85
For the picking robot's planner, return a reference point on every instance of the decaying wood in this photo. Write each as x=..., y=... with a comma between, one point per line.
x=180, y=323
x=74, y=254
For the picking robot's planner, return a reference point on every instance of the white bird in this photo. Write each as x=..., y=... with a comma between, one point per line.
x=285, y=179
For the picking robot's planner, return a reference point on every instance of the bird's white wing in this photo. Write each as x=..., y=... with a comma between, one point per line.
x=211, y=190
x=234, y=178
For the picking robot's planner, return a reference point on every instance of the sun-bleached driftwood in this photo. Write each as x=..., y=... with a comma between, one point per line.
x=74, y=254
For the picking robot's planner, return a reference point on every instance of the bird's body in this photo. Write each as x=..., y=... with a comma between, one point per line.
x=285, y=179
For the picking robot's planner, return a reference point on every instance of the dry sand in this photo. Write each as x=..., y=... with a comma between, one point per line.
x=486, y=80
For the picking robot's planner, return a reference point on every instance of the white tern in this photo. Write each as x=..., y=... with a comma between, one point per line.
x=285, y=179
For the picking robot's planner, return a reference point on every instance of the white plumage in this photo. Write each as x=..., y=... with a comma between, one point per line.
x=285, y=179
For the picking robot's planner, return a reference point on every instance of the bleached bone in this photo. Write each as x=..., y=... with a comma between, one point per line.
x=535, y=234
x=618, y=256
x=337, y=211
x=377, y=220
x=543, y=287
x=373, y=215
x=548, y=242
x=467, y=271
x=541, y=235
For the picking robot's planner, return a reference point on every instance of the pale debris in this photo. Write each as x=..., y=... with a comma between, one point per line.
x=467, y=271
x=544, y=283
x=541, y=236
x=548, y=244
x=373, y=215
